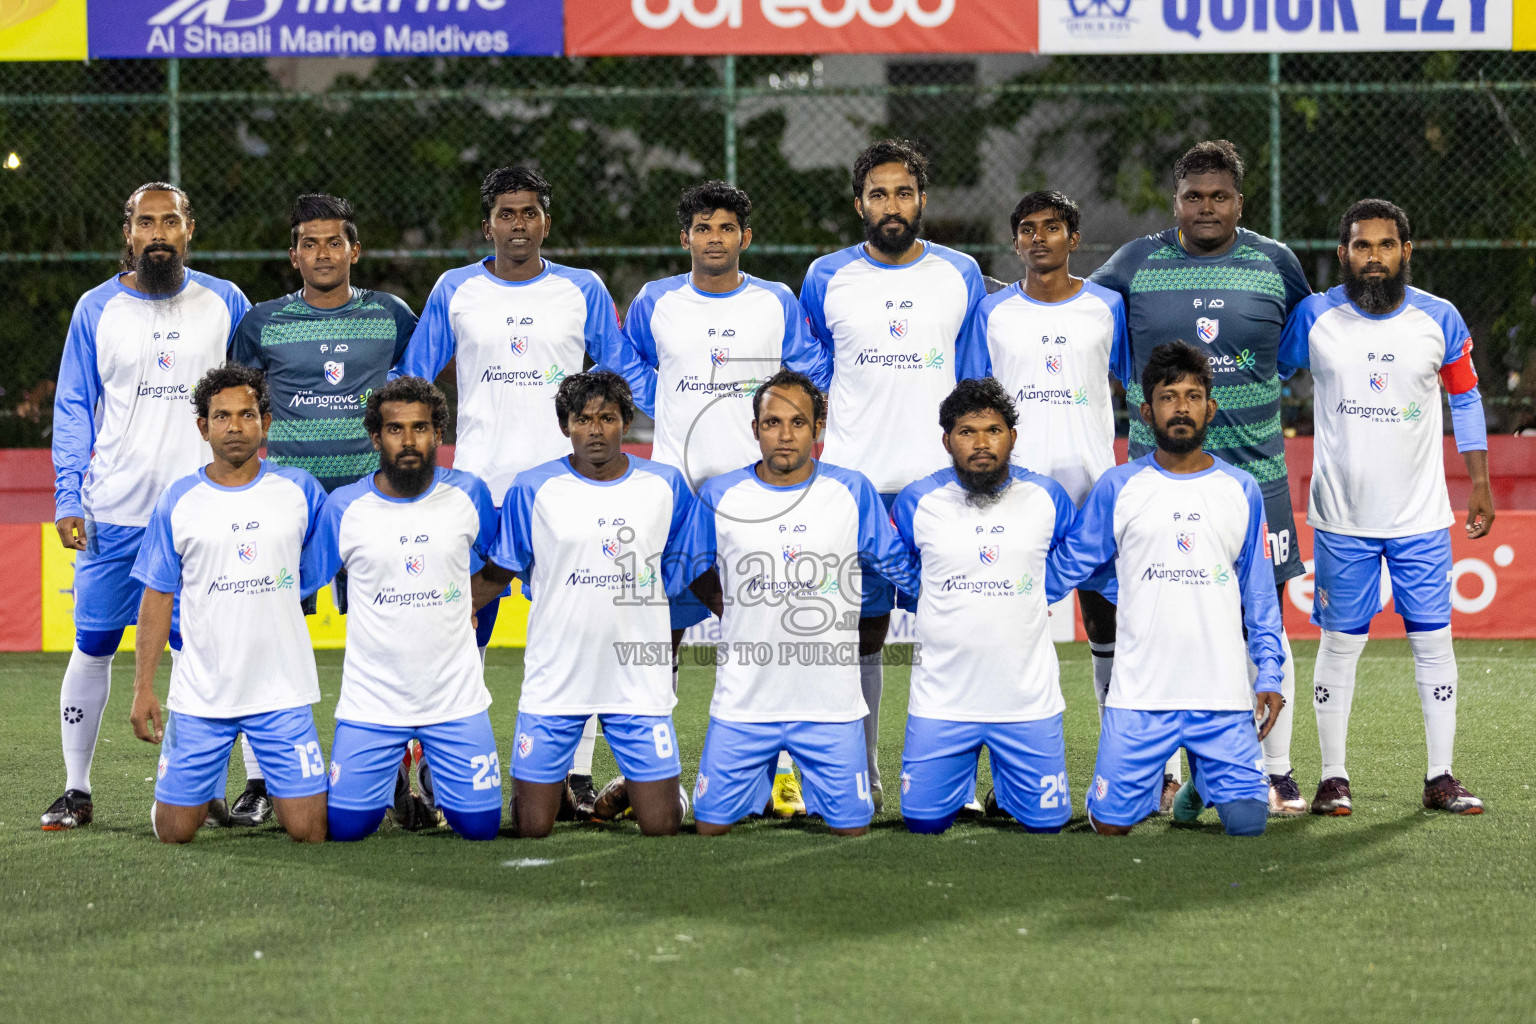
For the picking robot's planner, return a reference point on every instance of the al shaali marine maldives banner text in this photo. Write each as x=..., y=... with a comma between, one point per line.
x=324, y=28
x=1273, y=26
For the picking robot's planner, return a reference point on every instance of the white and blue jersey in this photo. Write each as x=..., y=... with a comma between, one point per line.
x=234, y=554
x=792, y=563
x=1188, y=549
x=695, y=358
x=895, y=337
x=982, y=619
x=123, y=423
x=1054, y=359
x=411, y=654
x=512, y=343
x=1378, y=464
x=599, y=559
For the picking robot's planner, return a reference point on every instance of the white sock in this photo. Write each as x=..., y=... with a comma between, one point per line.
x=871, y=680
x=152, y=826
x=786, y=765
x=82, y=700
x=1103, y=656
x=1434, y=669
x=252, y=769
x=585, y=748
x=1277, y=745
x=1333, y=691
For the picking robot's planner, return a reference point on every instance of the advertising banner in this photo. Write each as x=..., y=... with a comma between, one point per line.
x=324, y=28
x=42, y=29
x=1273, y=26
x=635, y=27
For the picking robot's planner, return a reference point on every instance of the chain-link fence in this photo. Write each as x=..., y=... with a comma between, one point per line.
x=1450, y=136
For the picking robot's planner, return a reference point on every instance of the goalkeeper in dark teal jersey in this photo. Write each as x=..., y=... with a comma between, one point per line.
x=324, y=349
x=1227, y=291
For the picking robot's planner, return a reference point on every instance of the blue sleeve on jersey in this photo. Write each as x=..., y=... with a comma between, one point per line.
x=696, y=543
x=1090, y=542
x=1121, y=364
x=432, y=343
x=321, y=559
x=639, y=359
x=245, y=347
x=801, y=351
x=676, y=562
x=490, y=523
x=158, y=565
x=1066, y=515
x=971, y=344
x=513, y=549
x=74, y=407
x=1116, y=272
x=902, y=514
x=1295, y=353
x=1261, y=608
x=976, y=358
x=315, y=499
x=881, y=550
x=1468, y=422
x=405, y=325
x=813, y=298
x=604, y=342
x=234, y=300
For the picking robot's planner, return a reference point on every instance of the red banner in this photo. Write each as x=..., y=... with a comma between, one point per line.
x=641, y=27
x=21, y=624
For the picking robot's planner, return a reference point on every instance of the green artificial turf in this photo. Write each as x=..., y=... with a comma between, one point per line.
x=1394, y=914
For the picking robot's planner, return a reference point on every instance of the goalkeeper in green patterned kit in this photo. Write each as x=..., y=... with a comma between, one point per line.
x=1227, y=291
x=324, y=349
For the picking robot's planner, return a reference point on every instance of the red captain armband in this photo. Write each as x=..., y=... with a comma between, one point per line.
x=1460, y=376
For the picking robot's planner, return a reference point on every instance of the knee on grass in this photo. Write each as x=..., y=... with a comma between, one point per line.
x=476, y=825
x=1244, y=817
x=930, y=826
x=348, y=826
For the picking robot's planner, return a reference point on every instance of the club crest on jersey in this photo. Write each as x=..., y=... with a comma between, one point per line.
x=1101, y=787
x=1053, y=364
x=334, y=372
x=611, y=548
x=700, y=786
x=166, y=359
x=519, y=346
x=1207, y=329
x=335, y=773
x=898, y=328
x=246, y=550
x=719, y=356
x=415, y=565
x=1378, y=382
x=524, y=744
x=1186, y=542
x=163, y=766
x=988, y=554
x=791, y=552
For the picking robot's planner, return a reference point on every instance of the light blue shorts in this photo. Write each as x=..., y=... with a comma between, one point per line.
x=1347, y=578
x=1134, y=748
x=466, y=769
x=1029, y=768
x=645, y=746
x=736, y=770
x=194, y=756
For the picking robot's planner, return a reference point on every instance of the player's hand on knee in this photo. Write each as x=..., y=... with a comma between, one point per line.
x=71, y=532
x=145, y=718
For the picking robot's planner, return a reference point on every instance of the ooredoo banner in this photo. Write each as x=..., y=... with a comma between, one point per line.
x=324, y=28
x=638, y=27
x=1273, y=26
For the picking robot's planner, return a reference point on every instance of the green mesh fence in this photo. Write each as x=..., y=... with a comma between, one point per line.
x=1449, y=136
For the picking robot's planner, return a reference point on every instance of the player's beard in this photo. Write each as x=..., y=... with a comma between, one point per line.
x=1180, y=445
x=1377, y=296
x=156, y=274
x=875, y=233
x=410, y=480
x=984, y=487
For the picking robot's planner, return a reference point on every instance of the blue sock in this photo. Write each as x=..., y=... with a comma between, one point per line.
x=1034, y=831
x=1423, y=627
x=474, y=824
x=349, y=826
x=1244, y=817
x=485, y=621
x=98, y=643
x=930, y=826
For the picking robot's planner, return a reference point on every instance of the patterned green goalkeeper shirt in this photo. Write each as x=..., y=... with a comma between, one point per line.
x=1233, y=307
x=321, y=366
